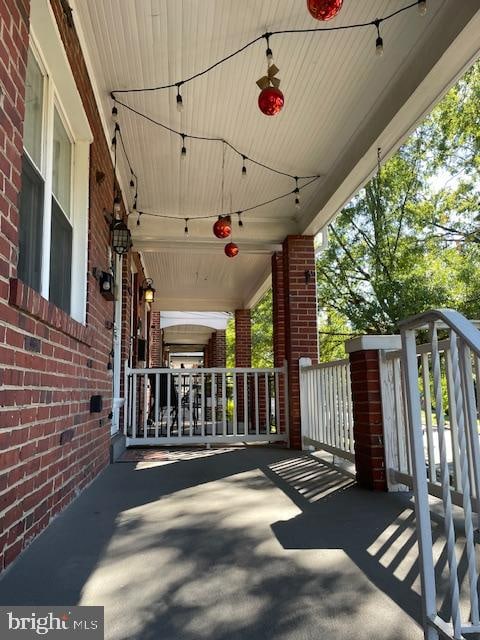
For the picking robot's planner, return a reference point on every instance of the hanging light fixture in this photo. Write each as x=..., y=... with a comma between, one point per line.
x=148, y=291
x=222, y=227
x=231, y=250
x=270, y=99
x=121, y=238
x=324, y=9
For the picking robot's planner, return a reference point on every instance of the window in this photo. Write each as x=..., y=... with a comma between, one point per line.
x=53, y=203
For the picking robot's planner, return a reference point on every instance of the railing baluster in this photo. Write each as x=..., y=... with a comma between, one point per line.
x=245, y=403
x=277, y=403
x=156, y=400
x=169, y=408
x=190, y=405
x=267, y=408
x=452, y=414
x=445, y=481
x=180, y=415
x=428, y=416
x=466, y=492
x=235, y=416
x=214, y=404
x=202, y=402
x=257, y=416
x=134, y=405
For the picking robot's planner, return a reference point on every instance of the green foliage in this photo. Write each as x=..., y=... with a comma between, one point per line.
x=262, y=335
x=409, y=240
x=262, y=332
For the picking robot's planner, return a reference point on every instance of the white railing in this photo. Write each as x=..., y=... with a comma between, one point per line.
x=201, y=406
x=444, y=454
x=326, y=407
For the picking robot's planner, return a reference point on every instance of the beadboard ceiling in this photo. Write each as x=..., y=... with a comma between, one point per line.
x=341, y=102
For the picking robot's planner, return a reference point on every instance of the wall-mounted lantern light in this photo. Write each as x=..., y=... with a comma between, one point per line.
x=148, y=291
x=121, y=237
x=107, y=285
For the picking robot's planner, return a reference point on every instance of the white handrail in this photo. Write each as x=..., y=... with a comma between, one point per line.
x=454, y=369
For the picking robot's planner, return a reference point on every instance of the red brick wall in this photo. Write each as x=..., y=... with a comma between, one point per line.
x=301, y=338
x=156, y=341
x=219, y=349
x=367, y=420
x=51, y=446
x=243, y=338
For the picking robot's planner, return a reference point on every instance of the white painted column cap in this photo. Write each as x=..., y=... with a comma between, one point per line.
x=371, y=343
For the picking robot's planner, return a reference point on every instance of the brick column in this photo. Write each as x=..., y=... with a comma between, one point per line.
x=219, y=354
x=368, y=432
x=156, y=355
x=243, y=338
x=301, y=334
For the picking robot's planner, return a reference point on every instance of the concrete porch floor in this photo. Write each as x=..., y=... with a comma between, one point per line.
x=251, y=543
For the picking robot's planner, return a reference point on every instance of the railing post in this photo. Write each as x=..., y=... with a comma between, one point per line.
x=368, y=428
x=304, y=399
x=126, y=391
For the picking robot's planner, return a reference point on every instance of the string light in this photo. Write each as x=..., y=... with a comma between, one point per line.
x=419, y=4
x=244, y=168
x=114, y=139
x=183, y=153
x=268, y=52
x=114, y=114
x=296, y=191
x=139, y=213
x=379, y=40
x=422, y=7
x=186, y=227
x=240, y=221
x=179, y=98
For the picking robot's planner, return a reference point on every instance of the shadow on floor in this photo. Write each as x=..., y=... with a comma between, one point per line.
x=238, y=543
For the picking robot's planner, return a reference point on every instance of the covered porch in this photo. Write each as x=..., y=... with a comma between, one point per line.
x=252, y=542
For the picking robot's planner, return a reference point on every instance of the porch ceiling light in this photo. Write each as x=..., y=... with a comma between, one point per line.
x=148, y=291
x=121, y=237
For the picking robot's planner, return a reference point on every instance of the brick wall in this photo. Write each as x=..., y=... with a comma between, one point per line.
x=51, y=446
x=156, y=341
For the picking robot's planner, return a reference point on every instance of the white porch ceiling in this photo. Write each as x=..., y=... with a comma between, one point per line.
x=341, y=103
x=186, y=337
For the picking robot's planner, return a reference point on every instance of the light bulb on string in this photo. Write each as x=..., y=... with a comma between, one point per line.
x=114, y=114
x=378, y=41
x=138, y=218
x=422, y=7
x=240, y=221
x=268, y=52
x=296, y=191
x=244, y=167
x=179, y=98
x=183, y=152
x=186, y=228
x=132, y=181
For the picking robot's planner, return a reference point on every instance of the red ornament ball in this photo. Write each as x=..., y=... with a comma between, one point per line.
x=223, y=227
x=324, y=9
x=231, y=250
x=270, y=101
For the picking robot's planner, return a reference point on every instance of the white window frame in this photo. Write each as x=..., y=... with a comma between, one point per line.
x=60, y=92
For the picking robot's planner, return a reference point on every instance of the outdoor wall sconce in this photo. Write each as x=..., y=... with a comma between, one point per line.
x=148, y=291
x=309, y=275
x=106, y=285
x=121, y=237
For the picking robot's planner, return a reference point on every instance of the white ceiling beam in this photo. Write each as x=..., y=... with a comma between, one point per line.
x=201, y=247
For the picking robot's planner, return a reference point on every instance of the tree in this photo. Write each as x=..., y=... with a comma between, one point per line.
x=409, y=240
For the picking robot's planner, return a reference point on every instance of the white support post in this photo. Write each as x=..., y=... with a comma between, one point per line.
x=304, y=412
